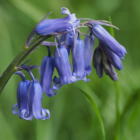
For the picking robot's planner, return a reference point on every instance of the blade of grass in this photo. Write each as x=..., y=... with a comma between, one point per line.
x=117, y=134
x=96, y=111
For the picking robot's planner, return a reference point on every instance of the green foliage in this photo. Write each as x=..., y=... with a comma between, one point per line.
x=72, y=117
x=97, y=112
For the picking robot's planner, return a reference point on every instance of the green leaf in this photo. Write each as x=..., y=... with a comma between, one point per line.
x=96, y=111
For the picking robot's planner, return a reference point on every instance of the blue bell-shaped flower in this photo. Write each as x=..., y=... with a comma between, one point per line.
x=112, y=57
x=22, y=99
x=34, y=100
x=108, y=40
x=101, y=62
x=78, y=59
x=98, y=61
x=63, y=68
x=88, y=52
x=109, y=70
x=46, y=72
x=52, y=26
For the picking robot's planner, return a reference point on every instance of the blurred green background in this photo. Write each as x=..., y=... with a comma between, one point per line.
x=72, y=115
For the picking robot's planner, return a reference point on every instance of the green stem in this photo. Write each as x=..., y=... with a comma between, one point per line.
x=18, y=59
x=117, y=136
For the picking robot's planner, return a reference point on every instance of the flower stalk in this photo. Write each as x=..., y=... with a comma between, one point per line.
x=18, y=59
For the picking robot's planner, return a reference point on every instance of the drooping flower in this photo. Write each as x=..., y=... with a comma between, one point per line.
x=112, y=57
x=98, y=61
x=29, y=96
x=108, y=40
x=78, y=59
x=52, y=26
x=46, y=72
x=101, y=62
x=108, y=68
x=34, y=101
x=88, y=52
x=22, y=99
x=63, y=68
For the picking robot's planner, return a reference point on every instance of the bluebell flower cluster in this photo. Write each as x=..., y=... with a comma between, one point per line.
x=66, y=32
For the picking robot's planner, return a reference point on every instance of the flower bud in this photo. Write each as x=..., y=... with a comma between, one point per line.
x=109, y=70
x=98, y=61
x=112, y=57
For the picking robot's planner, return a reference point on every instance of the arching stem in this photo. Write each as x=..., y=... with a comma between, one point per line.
x=18, y=59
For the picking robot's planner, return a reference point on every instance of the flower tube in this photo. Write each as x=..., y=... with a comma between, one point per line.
x=88, y=52
x=63, y=67
x=46, y=72
x=78, y=59
x=22, y=100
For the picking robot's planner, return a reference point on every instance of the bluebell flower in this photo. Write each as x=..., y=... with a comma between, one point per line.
x=46, y=72
x=34, y=94
x=108, y=40
x=29, y=97
x=88, y=52
x=78, y=59
x=107, y=56
x=112, y=57
x=22, y=99
x=98, y=61
x=108, y=68
x=63, y=68
x=68, y=40
x=67, y=24
x=101, y=62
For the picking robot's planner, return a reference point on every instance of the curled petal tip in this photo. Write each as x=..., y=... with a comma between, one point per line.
x=44, y=113
x=13, y=109
x=65, y=10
